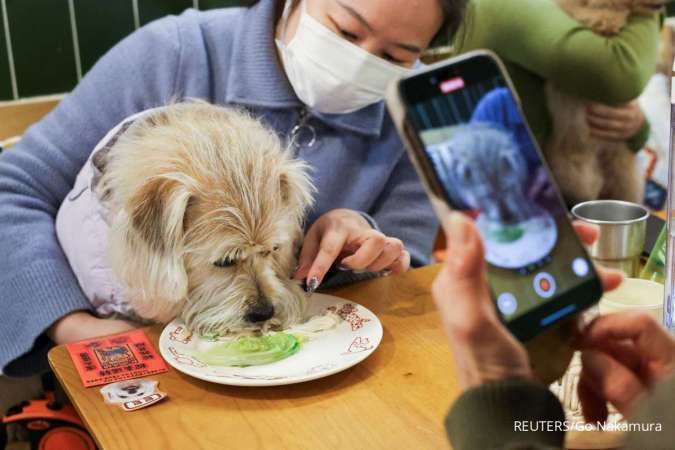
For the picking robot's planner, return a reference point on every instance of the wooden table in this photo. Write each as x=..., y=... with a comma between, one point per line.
x=395, y=399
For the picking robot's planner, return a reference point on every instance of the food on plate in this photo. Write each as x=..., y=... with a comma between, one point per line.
x=255, y=350
x=250, y=350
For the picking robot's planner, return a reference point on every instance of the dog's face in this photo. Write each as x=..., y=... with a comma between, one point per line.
x=608, y=17
x=487, y=170
x=240, y=247
x=208, y=220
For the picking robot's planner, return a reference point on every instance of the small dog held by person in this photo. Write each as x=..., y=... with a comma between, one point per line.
x=192, y=211
x=585, y=167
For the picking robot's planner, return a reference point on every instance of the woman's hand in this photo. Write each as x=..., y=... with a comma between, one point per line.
x=483, y=348
x=623, y=356
x=345, y=234
x=82, y=325
x=615, y=123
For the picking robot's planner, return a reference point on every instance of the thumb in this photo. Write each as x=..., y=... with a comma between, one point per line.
x=466, y=257
x=463, y=278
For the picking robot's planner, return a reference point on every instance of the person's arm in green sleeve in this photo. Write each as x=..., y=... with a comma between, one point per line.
x=638, y=141
x=506, y=414
x=542, y=38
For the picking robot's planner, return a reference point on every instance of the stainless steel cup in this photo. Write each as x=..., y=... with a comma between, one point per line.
x=622, y=232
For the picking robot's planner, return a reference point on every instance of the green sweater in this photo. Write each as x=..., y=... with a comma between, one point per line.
x=539, y=42
x=510, y=415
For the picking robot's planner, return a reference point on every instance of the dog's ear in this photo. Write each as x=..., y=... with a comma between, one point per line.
x=158, y=213
x=155, y=234
x=295, y=185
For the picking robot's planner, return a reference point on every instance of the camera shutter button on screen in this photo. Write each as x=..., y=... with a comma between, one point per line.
x=544, y=285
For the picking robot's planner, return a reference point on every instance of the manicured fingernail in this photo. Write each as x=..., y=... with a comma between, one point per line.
x=344, y=267
x=312, y=285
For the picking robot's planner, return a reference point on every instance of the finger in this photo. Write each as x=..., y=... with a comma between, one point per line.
x=372, y=243
x=460, y=288
x=621, y=112
x=605, y=124
x=610, y=278
x=608, y=135
x=588, y=233
x=393, y=250
x=632, y=326
x=624, y=352
x=611, y=380
x=593, y=406
x=402, y=264
x=465, y=249
x=651, y=340
x=310, y=247
x=330, y=247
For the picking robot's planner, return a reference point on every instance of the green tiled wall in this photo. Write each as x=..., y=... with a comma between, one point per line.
x=42, y=45
x=5, y=77
x=150, y=10
x=94, y=39
x=211, y=4
x=54, y=42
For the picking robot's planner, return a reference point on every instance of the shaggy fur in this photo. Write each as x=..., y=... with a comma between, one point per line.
x=206, y=216
x=587, y=168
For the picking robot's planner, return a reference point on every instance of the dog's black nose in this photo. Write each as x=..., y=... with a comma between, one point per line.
x=260, y=312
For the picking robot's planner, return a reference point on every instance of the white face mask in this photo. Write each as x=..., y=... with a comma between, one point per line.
x=330, y=74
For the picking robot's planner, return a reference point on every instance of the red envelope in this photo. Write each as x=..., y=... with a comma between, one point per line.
x=115, y=358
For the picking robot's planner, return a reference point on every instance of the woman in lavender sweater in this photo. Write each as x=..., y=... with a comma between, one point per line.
x=246, y=57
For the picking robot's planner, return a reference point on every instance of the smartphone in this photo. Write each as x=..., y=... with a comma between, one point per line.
x=468, y=137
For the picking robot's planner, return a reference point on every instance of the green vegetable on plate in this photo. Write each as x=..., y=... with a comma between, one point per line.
x=506, y=234
x=250, y=350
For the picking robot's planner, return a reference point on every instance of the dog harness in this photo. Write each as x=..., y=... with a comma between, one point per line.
x=82, y=227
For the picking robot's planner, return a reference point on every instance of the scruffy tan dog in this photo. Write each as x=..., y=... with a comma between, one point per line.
x=587, y=168
x=205, y=210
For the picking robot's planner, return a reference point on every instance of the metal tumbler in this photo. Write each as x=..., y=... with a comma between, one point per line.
x=623, y=226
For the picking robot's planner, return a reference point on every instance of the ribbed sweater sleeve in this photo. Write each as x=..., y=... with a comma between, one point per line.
x=654, y=420
x=37, y=286
x=506, y=414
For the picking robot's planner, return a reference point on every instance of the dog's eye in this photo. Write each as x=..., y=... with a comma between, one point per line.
x=225, y=262
x=276, y=248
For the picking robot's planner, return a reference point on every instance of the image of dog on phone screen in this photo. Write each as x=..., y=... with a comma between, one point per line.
x=486, y=172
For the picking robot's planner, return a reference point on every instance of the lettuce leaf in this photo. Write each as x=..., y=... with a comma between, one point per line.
x=250, y=350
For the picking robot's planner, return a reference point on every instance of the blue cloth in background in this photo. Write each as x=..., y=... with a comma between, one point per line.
x=499, y=107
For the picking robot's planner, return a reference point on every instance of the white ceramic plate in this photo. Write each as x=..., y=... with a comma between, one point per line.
x=333, y=351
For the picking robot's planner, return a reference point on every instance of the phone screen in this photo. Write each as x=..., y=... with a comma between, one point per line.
x=482, y=159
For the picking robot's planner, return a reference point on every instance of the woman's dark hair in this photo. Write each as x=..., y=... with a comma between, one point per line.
x=453, y=15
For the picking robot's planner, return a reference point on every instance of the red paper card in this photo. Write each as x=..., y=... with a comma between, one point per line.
x=115, y=358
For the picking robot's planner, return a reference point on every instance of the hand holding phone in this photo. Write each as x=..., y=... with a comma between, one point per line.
x=475, y=153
